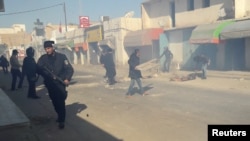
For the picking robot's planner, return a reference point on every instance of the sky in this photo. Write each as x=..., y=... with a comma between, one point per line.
x=51, y=11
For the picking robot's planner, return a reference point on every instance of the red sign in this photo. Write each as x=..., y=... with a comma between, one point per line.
x=84, y=21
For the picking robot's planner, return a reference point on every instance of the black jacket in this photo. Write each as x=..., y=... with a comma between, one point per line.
x=108, y=60
x=58, y=64
x=133, y=62
x=168, y=55
x=29, y=68
x=4, y=62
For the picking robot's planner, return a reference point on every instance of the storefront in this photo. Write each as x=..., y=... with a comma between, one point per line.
x=94, y=35
x=237, y=38
x=207, y=39
x=146, y=40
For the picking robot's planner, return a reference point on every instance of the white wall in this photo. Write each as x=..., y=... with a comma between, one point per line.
x=155, y=13
x=117, y=29
x=14, y=29
x=242, y=8
x=200, y=15
x=77, y=35
x=176, y=45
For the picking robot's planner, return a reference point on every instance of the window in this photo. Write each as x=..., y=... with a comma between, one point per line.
x=205, y=3
x=2, y=6
x=172, y=12
x=190, y=5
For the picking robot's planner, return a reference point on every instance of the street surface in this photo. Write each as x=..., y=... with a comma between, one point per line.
x=172, y=111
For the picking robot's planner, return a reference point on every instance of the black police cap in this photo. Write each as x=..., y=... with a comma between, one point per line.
x=30, y=51
x=14, y=51
x=48, y=44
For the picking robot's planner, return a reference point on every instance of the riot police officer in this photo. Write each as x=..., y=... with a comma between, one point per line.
x=29, y=70
x=109, y=64
x=15, y=70
x=57, y=72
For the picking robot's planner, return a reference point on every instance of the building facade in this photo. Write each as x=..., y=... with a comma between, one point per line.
x=115, y=31
x=194, y=26
x=15, y=38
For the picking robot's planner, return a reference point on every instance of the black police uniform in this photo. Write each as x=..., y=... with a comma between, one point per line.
x=4, y=63
x=15, y=71
x=59, y=65
x=110, y=67
x=29, y=70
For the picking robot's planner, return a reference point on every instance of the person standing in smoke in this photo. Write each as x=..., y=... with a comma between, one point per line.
x=102, y=60
x=168, y=59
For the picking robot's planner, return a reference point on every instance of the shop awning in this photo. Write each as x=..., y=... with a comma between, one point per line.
x=142, y=37
x=208, y=33
x=110, y=42
x=239, y=29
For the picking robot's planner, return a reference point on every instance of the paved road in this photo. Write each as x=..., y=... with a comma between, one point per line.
x=172, y=111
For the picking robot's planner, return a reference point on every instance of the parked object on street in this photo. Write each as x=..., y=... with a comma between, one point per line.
x=191, y=76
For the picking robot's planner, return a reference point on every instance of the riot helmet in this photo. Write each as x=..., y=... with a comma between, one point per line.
x=30, y=52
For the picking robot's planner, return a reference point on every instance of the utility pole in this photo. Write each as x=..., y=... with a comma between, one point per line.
x=2, y=9
x=65, y=17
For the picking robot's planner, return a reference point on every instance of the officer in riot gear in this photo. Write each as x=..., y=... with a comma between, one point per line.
x=29, y=69
x=15, y=70
x=57, y=72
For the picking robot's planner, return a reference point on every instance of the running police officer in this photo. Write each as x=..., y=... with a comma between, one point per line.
x=56, y=70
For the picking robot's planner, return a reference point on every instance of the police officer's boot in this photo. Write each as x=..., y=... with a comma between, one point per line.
x=61, y=125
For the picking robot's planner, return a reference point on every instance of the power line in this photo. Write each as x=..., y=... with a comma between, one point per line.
x=21, y=12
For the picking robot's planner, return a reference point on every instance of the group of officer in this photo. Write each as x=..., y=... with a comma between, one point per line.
x=106, y=59
x=56, y=71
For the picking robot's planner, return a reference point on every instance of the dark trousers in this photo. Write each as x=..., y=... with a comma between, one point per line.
x=204, y=71
x=166, y=66
x=106, y=72
x=111, y=73
x=5, y=69
x=32, y=88
x=58, y=100
x=16, y=73
x=132, y=83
